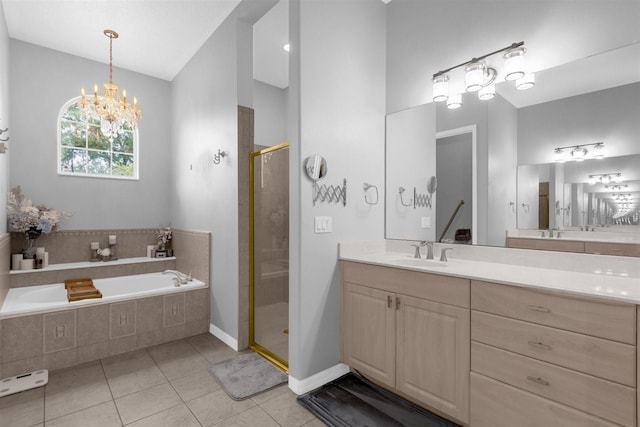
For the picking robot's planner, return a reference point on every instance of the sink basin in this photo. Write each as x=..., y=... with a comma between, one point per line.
x=418, y=262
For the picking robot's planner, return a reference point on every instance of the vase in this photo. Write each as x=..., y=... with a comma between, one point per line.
x=30, y=251
x=32, y=235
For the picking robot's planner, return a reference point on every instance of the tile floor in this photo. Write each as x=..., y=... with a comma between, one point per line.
x=166, y=385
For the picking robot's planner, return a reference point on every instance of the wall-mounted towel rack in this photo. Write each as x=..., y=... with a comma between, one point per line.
x=375, y=197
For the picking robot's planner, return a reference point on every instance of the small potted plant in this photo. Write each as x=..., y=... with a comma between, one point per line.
x=164, y=236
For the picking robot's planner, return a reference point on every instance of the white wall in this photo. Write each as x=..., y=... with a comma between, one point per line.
x=42, y=81
x=270, y=121
x=338, y=81
x=4, y=119
x=610, y=115
x=410, y=162
x=502, y=169
x=427, y=36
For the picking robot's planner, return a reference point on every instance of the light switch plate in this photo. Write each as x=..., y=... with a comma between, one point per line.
x=323, y=224
x=426, y=222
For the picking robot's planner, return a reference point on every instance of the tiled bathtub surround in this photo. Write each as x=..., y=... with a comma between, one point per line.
x=74, y=245
x=66, y=338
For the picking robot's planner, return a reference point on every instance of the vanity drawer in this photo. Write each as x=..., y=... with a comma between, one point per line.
x=610, y=320
x=595, y=356
x=590, y=394
x=433, y=287
x=606, y=248
x=494, y=404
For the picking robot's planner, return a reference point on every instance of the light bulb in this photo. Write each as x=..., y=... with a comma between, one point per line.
x=526, y=82
x=474, y=76
x=440, y=88
x=454, y=101
x=487, y=92
x=514, y=63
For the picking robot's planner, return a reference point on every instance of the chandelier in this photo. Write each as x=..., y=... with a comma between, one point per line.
x=115, y=113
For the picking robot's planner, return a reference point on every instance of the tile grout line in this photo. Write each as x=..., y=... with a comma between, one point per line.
x=113, y=399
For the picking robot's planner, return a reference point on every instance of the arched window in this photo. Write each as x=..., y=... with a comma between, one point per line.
x=84, y=151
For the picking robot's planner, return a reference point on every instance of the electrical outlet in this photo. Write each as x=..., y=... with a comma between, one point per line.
x=323, y=224
x=426, y=222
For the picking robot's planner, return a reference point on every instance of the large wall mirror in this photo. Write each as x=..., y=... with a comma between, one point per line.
x=516, y=181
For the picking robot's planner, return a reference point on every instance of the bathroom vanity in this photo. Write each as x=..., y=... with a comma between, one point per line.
x=488, y=343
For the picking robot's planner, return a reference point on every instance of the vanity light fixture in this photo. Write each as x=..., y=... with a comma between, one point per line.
x=605, y=178
x=615, y=187
x=526, y=82
x=479, y=77
x=578, y=152
x=454, y=101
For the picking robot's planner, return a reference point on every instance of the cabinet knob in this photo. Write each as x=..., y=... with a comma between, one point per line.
x=389, y=301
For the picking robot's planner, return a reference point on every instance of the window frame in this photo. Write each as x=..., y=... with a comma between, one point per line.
x=136, y=152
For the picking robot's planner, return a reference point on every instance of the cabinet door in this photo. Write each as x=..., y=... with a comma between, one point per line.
x=433, y=355
x=368, y=329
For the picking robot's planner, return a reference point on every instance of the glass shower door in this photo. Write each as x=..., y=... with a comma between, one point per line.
x=269, y=254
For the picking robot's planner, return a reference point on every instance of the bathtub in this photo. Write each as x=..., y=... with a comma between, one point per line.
x=45, y=298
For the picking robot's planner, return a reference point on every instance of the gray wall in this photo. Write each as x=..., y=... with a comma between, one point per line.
x=4, y=119
x=270, y=104
x=42, y=81
x=204, y=116
x=337, y=84
x=453, y=169
x=4, y=158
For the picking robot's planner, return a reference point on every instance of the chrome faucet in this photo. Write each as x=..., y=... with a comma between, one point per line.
x=443, y=254
x=429, y=250
x=182, y=279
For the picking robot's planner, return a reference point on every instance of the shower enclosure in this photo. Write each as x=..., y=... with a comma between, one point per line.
x=269, y=254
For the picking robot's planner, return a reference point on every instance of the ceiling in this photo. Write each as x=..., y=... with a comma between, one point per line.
x=158, y=38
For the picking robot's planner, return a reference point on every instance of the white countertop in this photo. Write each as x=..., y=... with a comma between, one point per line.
x=608, y=277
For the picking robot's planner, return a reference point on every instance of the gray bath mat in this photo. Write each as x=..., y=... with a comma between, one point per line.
x=246, y=375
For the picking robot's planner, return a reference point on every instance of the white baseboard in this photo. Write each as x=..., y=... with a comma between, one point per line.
x=314, y=381
x=223, y=336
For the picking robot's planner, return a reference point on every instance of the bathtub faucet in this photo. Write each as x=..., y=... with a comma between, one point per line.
x=183, y=279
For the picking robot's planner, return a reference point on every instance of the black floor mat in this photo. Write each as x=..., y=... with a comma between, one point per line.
x=352, y=401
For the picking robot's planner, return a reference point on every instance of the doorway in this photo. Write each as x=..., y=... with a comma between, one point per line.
x=457, y=188
x=269, y=254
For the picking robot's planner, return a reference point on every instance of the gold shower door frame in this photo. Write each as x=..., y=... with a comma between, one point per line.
x=276, y=360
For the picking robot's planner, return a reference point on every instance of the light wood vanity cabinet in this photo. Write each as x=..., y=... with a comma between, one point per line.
x=540, y=358
x=578, y=246
x=409, y=331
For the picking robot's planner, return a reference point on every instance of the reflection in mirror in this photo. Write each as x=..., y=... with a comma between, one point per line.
x=316, y=167
x=585, y=195
x=582, y=102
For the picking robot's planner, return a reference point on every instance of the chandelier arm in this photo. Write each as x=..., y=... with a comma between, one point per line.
x=479, y=58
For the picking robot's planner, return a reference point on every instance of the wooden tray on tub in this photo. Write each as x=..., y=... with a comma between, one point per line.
x=79, y=289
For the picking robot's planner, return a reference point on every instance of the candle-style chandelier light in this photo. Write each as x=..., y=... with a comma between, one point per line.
x=115, y=113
